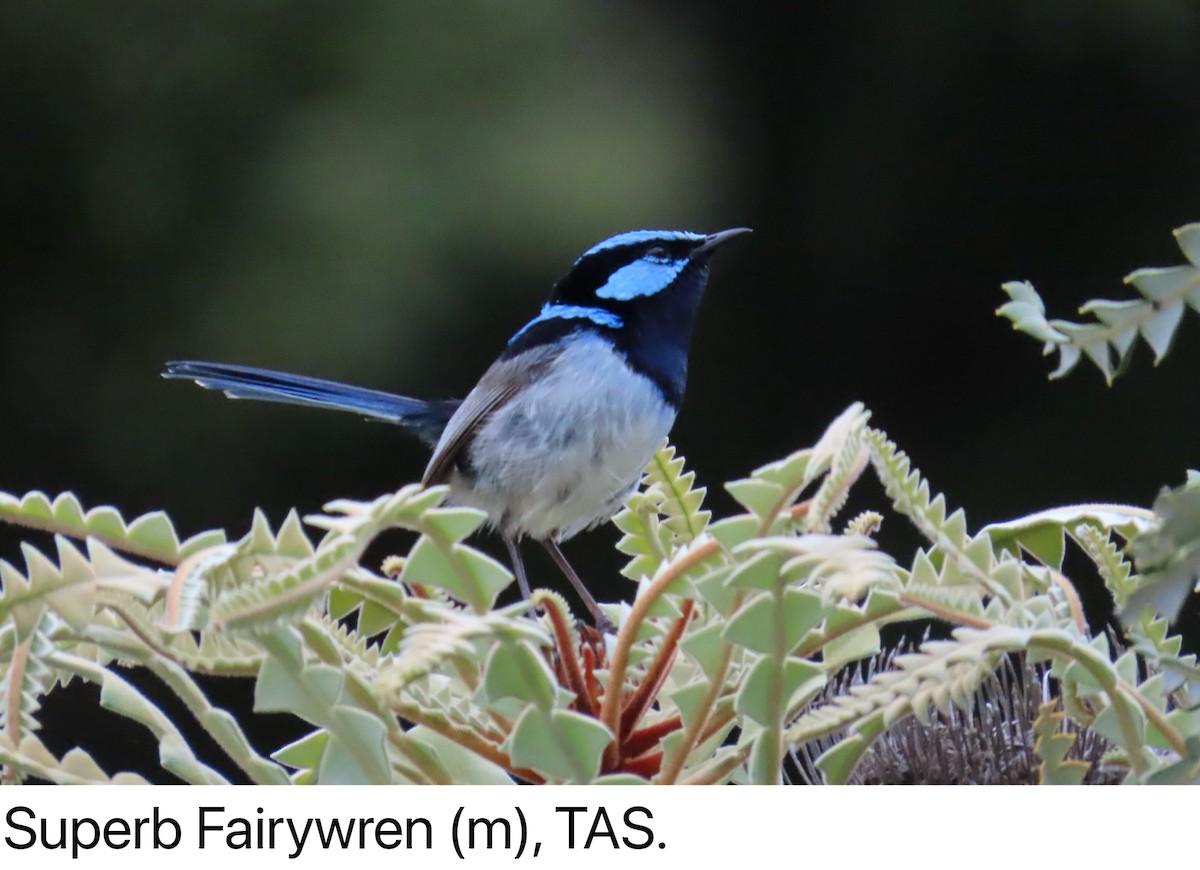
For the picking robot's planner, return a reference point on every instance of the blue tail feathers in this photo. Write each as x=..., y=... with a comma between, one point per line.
x=424, y=419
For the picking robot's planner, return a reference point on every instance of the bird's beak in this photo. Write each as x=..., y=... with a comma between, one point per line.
x=715, y=240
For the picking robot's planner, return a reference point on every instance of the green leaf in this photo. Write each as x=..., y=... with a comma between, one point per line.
x=673, y=489
x=788, y=470
x=516, y=670
x=838, y=762
x=757, y=496
x=150, y=535
x=355, y=753
x=560, y=744
x=1156, y=316
x=466, y=574
x=852, y=646
x=1185, y=771
x=705, y=646
x=1052, y=746
x=1167, y=557
x=455, y=523
x=754, y=696
x=1159, y=329
x=1107, y=725
x=462, y=766
x=754, y=626
x=760, y=571
x=688, y=700
x=304, y=753
x=342, y=602
x=374, y=618
x=278, y=690
x=119, y=696
x=291, y=539
x=733, y=530
x=1042, y=533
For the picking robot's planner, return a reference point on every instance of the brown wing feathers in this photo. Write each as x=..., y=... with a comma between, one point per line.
x=499, y=384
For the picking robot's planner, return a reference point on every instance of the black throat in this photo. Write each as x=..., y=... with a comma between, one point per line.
x=658, y=329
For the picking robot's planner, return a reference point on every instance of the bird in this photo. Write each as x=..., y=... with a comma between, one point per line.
x=555, y=435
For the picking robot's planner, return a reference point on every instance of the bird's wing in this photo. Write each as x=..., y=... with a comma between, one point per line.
x=500, y=384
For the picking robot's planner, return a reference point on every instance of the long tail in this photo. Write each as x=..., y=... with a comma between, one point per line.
x=424, y=419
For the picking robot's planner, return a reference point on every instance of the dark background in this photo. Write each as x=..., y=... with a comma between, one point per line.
x=382, y=192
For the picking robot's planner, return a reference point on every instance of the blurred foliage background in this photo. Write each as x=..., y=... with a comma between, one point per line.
x=382, y=192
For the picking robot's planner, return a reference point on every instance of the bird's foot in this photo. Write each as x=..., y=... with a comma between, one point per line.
x=604, y=625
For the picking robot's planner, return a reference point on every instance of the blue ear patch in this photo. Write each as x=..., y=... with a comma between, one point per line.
x=643, y=277
x=550, y=311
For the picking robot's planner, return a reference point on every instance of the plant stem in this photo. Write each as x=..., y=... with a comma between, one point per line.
x=610, y=711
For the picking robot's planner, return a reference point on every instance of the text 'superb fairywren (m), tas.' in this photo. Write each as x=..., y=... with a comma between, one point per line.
x=555, y=435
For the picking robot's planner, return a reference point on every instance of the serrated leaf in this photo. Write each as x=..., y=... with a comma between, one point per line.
x=79, y=763
x=359, y=758
x=1160, y=328
x=757, y=496
x=516, y=670
x=755, y=625
x=466, y=574
x=561, y=744
x=374, y=618
x=851, y=646
x=838, y=762
x=304, y=753
x=670, y=486
x=1052, y=746
x=460, y=764
x=1107, y=725
x=760, y=571
x=455, y=523
x=1188, y=237
x=278, y=690
x=291, y=540
x=705, y=646
x=342, y=602
x=1185, y=771
x=788, y=470
x=687, y=700
x=754, y=696
x=1155, y=316
x=734, y=530
x=1027, y=312
x=1042, y=533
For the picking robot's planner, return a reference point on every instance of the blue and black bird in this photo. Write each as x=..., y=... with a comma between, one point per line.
x=555, y=435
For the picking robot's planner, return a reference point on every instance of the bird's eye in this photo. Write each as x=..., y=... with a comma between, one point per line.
x=658, y=252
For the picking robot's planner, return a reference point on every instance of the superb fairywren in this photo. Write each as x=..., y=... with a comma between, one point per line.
x=555, y=435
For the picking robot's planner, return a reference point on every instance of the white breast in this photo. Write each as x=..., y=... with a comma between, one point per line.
x=565, y=453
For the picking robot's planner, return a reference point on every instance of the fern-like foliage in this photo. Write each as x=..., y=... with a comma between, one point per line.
x=1168, y=555
x=665, y=514
x=1053, y=744
x=151, y=535
x=738, y=626
x=31, y=758
x=1109, y=338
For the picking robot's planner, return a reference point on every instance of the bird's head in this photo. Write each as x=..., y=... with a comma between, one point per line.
x=640, y=289
x=621, y=272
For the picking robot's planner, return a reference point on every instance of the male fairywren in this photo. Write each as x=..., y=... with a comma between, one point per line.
x=555, y=435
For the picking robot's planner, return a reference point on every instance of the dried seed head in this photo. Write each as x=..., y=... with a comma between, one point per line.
x=989, y=744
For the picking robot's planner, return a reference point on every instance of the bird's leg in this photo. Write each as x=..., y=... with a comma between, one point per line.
x=602, y=623
x=514, y=556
